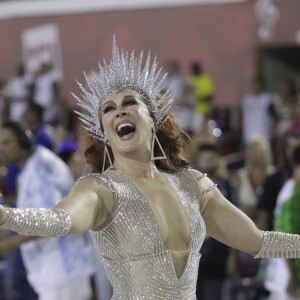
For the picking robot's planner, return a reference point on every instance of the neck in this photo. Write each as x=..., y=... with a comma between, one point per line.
x=135, y=168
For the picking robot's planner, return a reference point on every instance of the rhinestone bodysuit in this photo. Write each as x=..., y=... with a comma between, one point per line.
x=131, y=246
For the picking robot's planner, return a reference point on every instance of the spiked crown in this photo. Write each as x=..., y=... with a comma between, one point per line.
x=122, y=73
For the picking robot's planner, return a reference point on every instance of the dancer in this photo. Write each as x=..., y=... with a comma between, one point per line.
x=147, y=212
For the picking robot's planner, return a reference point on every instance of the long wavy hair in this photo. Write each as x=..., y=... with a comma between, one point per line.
x=174, y=141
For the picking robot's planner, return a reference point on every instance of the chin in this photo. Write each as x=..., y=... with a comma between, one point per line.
x=125, y=149
x=132, y=151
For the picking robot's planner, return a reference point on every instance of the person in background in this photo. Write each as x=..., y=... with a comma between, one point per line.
x=33, y=121
x=288, y=108
x=18, y=91
x=283, y=276
x=202, y=89
x=288, y=210
x=56, y=268
x=258, y=112
x=46, y=91
x=5, y=100
x=175, y=82
x=13, y=280
x=177, y=86
x=275, y=190
x=252, y=177
x=217, y=259
x=274, y=182
x=67, y=151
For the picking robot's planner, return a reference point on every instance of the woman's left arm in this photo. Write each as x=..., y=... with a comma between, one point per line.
x=229, y=225
x=225, y=222
x=232, y=227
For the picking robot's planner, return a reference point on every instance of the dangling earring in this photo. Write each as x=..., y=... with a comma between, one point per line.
x=106, y=153
x=155, y=139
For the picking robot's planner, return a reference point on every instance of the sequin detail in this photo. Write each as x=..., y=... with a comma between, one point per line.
x=103, y=179
x=278, y=244
x=132, y=249
x=38, y=221
x=123, y=73
x=209, y=189
x=201, y=176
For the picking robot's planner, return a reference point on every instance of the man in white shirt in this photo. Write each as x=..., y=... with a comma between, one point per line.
x=258, y=112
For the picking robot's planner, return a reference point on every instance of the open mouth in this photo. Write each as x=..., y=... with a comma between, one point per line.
x=125, y=129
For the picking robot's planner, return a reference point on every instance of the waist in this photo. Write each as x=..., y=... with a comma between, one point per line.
x=142, y=297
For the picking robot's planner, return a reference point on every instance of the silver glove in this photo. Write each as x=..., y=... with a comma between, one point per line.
x=38, y=221
x=278, y=244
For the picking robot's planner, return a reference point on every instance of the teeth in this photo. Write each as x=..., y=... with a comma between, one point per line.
x=124, y=125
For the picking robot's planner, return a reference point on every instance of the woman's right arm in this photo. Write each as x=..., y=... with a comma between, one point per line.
x=87, y=206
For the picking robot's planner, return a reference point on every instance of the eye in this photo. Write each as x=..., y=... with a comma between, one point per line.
x=129, y=102
x=108, y=108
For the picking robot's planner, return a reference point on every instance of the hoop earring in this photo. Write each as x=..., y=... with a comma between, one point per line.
x=106, y=153
x=155, y=139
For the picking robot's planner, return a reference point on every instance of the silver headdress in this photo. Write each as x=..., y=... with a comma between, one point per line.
x=120, y=74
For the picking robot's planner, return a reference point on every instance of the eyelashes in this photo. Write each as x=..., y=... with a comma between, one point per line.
x=129, y=102
x=108, y=108
x=126, y=103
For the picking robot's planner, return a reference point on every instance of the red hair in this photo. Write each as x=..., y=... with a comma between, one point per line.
x=174, y=141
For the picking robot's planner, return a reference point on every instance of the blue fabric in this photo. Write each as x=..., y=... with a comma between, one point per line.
x=13, y=281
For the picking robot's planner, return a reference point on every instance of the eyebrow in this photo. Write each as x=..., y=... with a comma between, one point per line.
x=128, y=97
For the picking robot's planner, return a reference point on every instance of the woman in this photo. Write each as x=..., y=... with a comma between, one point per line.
x=250, y=179
x=147, y=212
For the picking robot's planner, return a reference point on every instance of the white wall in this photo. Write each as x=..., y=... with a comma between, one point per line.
x=29, y=8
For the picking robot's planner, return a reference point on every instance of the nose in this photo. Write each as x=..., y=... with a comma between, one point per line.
x=122, y=113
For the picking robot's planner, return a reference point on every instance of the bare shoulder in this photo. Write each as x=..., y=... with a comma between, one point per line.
x=97, y=185
x=207, y=187
x=195, y=173
x=90, y=182
x=203, y=180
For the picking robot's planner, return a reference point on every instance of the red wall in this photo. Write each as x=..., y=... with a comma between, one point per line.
x=222, y=37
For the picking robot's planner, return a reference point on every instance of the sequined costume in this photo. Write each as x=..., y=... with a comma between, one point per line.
x=132, y=249
x=131, y=245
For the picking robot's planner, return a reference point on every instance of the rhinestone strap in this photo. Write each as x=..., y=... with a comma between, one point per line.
x=209, y=189
x=278, y=244
x=201, y=176
x=38, y=221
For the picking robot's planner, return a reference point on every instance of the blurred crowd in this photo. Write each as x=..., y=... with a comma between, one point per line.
x=39, y=163
x=256, y=165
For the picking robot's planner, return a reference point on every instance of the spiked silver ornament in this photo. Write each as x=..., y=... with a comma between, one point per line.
x=122, y=73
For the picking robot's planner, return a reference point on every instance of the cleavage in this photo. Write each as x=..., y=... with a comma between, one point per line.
x=168, y=211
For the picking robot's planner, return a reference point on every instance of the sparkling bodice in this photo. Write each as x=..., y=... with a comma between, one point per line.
x=131, y=246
